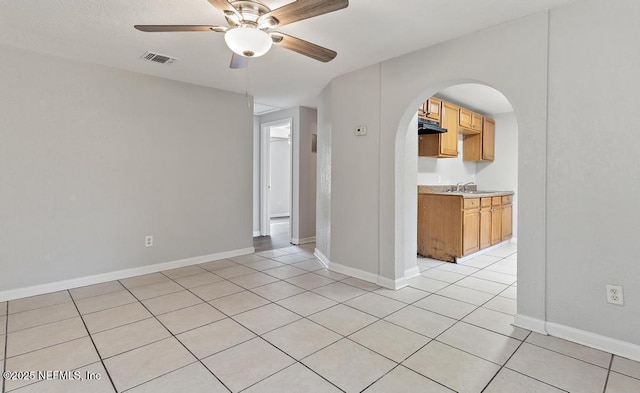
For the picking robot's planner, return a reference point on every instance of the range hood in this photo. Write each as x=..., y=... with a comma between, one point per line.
x=429, y=127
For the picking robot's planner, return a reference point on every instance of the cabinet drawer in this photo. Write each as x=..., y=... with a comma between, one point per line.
x=485, y=202
x=496, y=201
x=507, y=199
x=471, y=203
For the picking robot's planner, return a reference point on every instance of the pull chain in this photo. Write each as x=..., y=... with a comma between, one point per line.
x=246, y=88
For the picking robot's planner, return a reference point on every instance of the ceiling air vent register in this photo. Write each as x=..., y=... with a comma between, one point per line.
x=158, y=58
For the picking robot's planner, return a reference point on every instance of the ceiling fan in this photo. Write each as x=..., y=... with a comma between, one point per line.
x=251, y=23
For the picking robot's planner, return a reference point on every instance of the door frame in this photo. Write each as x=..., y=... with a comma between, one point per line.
x=265, y=174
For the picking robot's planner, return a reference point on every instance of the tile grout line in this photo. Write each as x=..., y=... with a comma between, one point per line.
x=246, y=327
x=93, y=343
x=606, y=381
x=505, y=366
x=261, y=335
x=197, y=360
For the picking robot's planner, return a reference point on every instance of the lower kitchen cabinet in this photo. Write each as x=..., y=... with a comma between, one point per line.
x=507, y=217
x=451, y=226
x=471, y=226
x=496, y=220
x=485, y=222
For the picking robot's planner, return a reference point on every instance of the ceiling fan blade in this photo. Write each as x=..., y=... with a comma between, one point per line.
x=303, y=47
x=303, y=9
x=238, y=61
x=223, y=5
x=173, y=28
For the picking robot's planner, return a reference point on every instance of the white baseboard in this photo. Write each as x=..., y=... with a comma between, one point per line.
x=483, y=251
x=412, y=273
x=514, y=240
x=583, y=337
x=305, y=240
x=367, y=276
x=529, y=323
x=323, y=258
x=593, y=340
x=117, y=275
x=256, y=233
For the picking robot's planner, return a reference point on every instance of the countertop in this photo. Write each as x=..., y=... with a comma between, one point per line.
x=468, y=194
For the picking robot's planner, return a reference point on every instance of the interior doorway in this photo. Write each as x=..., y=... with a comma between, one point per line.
x=276, y=181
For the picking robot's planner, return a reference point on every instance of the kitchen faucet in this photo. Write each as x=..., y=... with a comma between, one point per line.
x=464, y=186
x=458, y=187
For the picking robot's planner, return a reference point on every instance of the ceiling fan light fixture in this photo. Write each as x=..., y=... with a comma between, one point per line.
x=248, y=41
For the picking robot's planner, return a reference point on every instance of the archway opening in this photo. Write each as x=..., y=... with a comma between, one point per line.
x=489, y=265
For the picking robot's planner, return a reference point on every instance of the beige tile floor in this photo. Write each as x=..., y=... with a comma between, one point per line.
x=277, y=321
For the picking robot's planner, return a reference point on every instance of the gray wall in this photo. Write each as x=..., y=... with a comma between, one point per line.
x=594, y=167
x=575, y=235
x=502, y=173
x=92, y=159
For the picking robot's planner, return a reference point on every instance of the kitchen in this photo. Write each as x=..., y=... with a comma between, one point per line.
x=459, y=213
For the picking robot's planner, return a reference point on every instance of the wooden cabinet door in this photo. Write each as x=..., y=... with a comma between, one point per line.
x=476, y=122
x=471, y=231
x=507, y=223
x=485, y=223
x=488, y=139
x=465, y=118
x=496, y=224
x=449, y=140
x=432, y=109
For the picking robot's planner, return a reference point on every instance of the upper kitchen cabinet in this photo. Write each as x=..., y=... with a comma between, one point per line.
x=470, y=123
x=432, y=109
x=481, y=147
x=444, y=145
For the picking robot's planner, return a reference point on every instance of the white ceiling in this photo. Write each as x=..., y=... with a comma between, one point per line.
x=365, y=33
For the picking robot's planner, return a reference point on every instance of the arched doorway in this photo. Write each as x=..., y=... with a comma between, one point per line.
x=406, y=171
x=496, y=171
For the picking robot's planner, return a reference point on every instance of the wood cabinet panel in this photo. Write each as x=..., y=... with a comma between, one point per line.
x=432, y=109
x=507, y=221
x=465, y=118
x=449, y=140
x=485, y=223
x=496, y=224
x=476, y=121
x=440, y=226
x=480, y=147
x=488, y=139
x=471, y=230
x=442, y=145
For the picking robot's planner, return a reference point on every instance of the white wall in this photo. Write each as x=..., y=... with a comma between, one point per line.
x=502, y=173
x=280, y=191
x=446, y=170
x=572, y=239
x=93, y=158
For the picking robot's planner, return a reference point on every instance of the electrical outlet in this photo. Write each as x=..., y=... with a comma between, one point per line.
x=615, y=294
x=360, y=130
x=148, y=241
